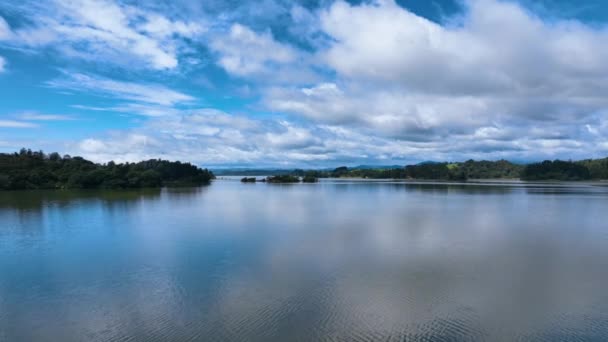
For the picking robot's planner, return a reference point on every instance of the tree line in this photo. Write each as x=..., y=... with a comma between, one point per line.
x=29, y=169
x=427, y=171
x=590, y=169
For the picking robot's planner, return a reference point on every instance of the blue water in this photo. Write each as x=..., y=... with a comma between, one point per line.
x=333, y=261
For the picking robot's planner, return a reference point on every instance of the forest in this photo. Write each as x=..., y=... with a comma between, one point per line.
x=29, y=169
x=590, y=169
x=556, y=170
x=471, y=169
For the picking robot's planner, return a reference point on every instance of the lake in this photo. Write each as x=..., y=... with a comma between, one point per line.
x=340, y=260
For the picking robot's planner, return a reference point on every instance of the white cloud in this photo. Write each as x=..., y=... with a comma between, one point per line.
x=92, y=146
x=5, y=33
x=107, y=31
x=213, y=138
x=207, y=136
x=139, y=92
x=533, y=58
x=496, y=69
x=33, y=116
x=133, y=108
x=293, y=137
x=244, y=52
x=16, y=124
x=384, y=112
x=5, y=30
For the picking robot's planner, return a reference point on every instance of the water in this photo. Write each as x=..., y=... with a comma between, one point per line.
x=333, y=261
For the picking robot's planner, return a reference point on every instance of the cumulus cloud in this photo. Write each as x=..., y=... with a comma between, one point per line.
x=496, y=72
x=499, y=47
x=212, y=137
x=244, y=52
x=2, y=64
x=499, y=51
x=385, y=112
x=258, y=56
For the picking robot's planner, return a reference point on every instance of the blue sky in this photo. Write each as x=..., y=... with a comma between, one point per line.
x=316, y=83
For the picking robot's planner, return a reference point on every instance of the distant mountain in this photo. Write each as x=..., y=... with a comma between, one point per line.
x=277, y=172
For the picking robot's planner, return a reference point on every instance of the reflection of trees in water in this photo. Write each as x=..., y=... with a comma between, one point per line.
x=31, y=209
x=564, y=188
x=36, y=200
x=507, y=187
x=184, y=193
x=460, y=188
x=428, y=187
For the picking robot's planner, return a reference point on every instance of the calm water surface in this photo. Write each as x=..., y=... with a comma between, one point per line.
x=334, y=261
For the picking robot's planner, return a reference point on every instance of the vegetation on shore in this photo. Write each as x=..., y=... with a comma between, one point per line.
x=427, y=171
x=309, y=179
x=28, y=169
x=590, y=169
x=556, y=170
x=283, y=179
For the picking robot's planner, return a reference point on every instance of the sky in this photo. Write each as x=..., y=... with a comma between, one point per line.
x=311, y=83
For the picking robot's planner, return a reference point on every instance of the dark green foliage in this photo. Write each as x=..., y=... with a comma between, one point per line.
x=283, y=179
x=248, y=180
x=435, y=171
x=438, y=171
x=150, y=179
x=425, y=171
x=598, y=168
x=339, y=172
x=375, y=173
x=309, y=179
x=490, y=169
x=36, y=170
x=556, y=170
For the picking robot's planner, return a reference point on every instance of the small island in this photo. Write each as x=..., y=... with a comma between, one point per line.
x=283, y=179
x=286, y=179
x=29, y=169
x=309, y=179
